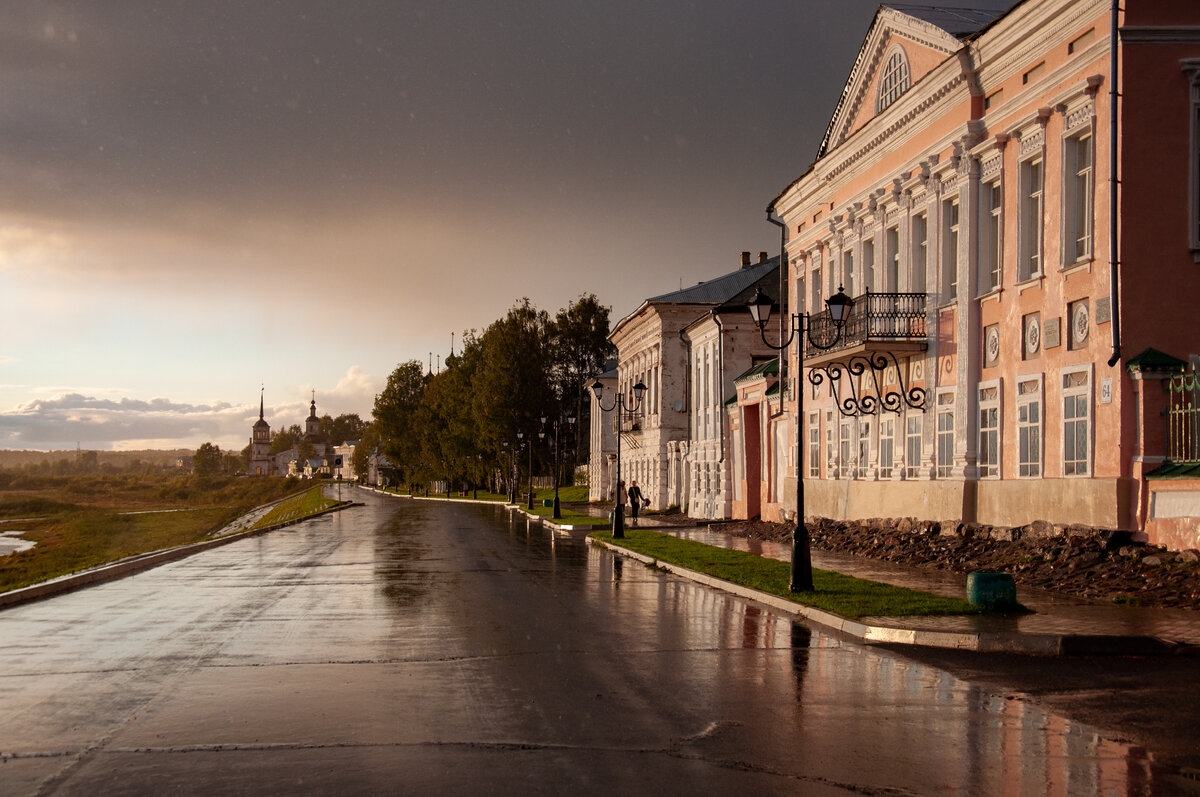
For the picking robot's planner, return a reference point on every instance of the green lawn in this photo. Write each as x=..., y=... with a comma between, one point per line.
x=299, y=506
x=843, y=595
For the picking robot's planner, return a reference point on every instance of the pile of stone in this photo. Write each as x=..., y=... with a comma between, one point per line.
x=1093, y=563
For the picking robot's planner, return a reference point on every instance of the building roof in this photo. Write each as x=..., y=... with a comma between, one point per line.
x=764, y=369
x=721, y=290
x=1155, y=360
x=962, y=23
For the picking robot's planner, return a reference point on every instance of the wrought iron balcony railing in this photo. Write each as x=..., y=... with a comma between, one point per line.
x=876, y=317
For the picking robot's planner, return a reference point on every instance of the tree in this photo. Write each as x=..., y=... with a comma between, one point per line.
x=286, y=438
x=367, y=441
x=337, y=431
x=395, y=415
x=579, y=349
x=207, y=462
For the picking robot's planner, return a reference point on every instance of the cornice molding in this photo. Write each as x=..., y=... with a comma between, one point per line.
x=1160, y=34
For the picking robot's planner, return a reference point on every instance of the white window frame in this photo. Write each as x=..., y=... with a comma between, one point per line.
x=863, y=449
x=1030, y=217
x=890, y=276
x=920, y=253
x=1031, y=433
x=814, y=445
x=868, y=263
x=887, y=447
x=1077, y=467
x=845, y=441
x=914, y=443
x=894, y=79
x=951, y=234
x=1078, y=199
x=990, y=439
x=991, y=235
x=847, y=283
x=944, y=433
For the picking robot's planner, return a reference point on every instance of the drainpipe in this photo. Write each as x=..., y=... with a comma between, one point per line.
x=774, y=219
x=721, y=414
x=1113, y=286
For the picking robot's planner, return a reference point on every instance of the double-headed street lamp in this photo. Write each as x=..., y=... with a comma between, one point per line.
x=618, y=527
x=570, y=422
x=839, y=310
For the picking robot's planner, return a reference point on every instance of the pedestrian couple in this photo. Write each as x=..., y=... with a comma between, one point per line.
x=633, y=496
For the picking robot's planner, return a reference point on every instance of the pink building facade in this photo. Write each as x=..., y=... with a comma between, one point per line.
x=1032, y=310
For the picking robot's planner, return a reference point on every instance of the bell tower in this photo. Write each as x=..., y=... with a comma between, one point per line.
x=260, y=443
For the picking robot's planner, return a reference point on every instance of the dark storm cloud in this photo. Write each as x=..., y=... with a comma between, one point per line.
x=116, y=108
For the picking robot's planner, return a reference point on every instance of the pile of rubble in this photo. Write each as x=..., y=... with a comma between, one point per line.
x=1093, y=563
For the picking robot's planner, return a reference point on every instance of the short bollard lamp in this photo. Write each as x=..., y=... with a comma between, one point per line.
x=839, y=306
x=620, y=405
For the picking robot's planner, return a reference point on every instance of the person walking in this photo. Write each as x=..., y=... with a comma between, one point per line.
x=635, y=499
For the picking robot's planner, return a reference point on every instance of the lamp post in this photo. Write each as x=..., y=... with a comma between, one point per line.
x=516, y=467
x=557, y=422
x=541, y=436
x=760, y=310
x=618, y=529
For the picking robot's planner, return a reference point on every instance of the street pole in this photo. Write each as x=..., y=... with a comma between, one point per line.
x=618, y=528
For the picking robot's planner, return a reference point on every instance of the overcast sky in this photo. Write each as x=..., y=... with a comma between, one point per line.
x=199, y=198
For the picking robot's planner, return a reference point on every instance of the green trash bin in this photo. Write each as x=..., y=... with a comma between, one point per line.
x=547, y=502
x=992, y=590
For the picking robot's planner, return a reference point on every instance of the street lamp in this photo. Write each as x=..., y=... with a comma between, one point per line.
x=513, y=482
x=541, y=436
x=618, y=528
x=557, y=422
x=839, y=310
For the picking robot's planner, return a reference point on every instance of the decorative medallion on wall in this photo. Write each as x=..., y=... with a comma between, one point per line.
x=991, y=345
x=1080, y=318
x=1033, y=335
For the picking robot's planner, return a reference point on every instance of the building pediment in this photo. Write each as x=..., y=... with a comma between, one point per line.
x=898, y=51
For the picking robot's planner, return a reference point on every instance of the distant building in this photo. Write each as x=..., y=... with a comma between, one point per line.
x=260, y=444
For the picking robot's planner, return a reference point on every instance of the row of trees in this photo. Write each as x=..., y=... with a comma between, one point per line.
x=461, y=424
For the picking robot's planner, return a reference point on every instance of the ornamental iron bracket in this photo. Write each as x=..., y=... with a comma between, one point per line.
x=876, y=402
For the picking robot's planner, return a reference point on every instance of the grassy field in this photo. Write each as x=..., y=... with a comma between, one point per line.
x=82, y=522
x=843, y=595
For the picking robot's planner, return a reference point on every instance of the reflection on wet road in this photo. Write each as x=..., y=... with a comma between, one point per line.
x=411, y=647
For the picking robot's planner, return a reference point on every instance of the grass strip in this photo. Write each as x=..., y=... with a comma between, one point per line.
x=299, y=506
x=834, y=592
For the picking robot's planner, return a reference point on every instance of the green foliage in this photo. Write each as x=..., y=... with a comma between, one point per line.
x=337, y=431
x=841, y=594
x=207, y=462
x=285, y=438
x=299, y=506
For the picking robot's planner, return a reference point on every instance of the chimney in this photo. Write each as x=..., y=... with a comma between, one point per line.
x=762, y=257
x=745, y=259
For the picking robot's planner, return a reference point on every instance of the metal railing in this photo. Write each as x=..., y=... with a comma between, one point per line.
x=1183, y=417
x=875, y=316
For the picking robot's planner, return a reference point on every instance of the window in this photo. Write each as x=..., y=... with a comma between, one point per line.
x=912, y=445
x=887, y=446
x=815, y=303
x=990, y=253
x=864, y=447
x=1077, y=198
x=848, y=272
x=945, y=435
x=920, y=254
x=989, y=430
x=1029, y=259
x=829, y=449
x=1077, y=422
x=844, y=450
x=894, y=81
x=950, y=223
x=1029, y=428
x=814, y=446
x=868, y=263
x=891, y=262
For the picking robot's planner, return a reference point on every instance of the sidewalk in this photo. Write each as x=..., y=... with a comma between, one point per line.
x=1058, y=625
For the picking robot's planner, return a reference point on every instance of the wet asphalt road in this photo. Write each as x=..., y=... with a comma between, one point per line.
x=416, y=648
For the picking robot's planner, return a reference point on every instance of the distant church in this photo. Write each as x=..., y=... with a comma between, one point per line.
x=264, y=463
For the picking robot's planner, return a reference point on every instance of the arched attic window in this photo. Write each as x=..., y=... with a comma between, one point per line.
x=894, y=81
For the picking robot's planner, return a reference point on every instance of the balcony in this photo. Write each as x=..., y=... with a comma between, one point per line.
x=893, y=322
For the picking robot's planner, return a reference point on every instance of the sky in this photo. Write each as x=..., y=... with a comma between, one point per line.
x=202, y=199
